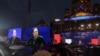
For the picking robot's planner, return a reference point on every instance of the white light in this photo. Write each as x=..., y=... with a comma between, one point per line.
x=14, y=30
x=97, y=24
x=68, y=41
x=56, y=20
x=82, y=25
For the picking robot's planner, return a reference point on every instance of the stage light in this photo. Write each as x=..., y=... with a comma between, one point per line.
x=81, y=17
x=89, y=25
x=57, y=20
x=57, y=38
x=97, y=24
x=68, y=41
x=82, y=25
x=95, y=41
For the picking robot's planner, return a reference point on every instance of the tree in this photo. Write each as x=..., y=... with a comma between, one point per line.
x=41, y=22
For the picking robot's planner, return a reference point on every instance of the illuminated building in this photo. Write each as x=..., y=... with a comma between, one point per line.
x=81, y=6
x=84, y=16
x=81, y=16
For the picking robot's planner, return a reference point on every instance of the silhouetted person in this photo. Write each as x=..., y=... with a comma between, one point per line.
x=14, y=39
x=36, y=41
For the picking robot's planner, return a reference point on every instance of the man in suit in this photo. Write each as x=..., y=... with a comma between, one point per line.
x=36, y=41
x=14, y=39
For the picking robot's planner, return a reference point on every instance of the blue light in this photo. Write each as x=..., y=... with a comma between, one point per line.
x=81, y=7
x=83, y=17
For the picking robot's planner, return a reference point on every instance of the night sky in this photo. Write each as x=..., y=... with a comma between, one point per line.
x=13, y=13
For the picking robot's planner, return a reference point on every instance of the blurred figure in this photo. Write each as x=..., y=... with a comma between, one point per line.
x=14, y=39
x=36, y=41
x=4, y=50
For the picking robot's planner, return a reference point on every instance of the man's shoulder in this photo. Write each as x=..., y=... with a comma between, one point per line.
x=40, y=36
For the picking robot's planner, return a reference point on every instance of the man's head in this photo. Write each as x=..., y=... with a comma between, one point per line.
x=35, y=32
x=14, y=33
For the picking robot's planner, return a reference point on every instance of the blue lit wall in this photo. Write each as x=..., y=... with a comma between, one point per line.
x=43, y=31
x=27, y=33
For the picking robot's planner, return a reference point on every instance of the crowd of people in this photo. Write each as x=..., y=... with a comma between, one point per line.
x=36, y=46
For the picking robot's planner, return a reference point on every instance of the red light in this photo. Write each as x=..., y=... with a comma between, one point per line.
x=95, y=41
x=57, y=38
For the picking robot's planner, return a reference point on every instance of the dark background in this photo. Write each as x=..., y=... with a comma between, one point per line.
x=13, y=13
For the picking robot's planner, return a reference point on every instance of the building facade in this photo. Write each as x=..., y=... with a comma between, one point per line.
x=82, y=16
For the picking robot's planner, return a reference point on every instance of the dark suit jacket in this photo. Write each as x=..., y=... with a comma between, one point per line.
x=35, y=43
x=16, y=41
